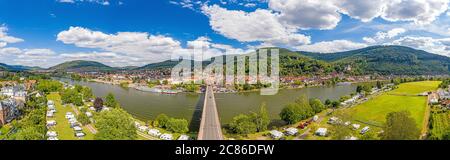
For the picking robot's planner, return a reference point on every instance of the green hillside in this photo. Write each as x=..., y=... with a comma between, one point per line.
x=81, y=66
x=387, y=60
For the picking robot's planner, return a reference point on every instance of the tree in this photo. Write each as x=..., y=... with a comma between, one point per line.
x=340, y=132
x=335, y=104
x=294, y=113
x=98, y=104
x=290, y=113
x=243, y=124
x=111, y=101
x=262, y=120
x=77, y=100
x=400, y=126
x=87, y=93
x=316, y=105
x=161, y=120
x=379, y=85
x=446, y=135
x=116, y=124
x=177, y=125
x=47, y=86
x=83, y=118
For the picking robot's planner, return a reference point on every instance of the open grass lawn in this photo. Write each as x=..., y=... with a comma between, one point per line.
x=375, y=110
x=416, y=87
x=63, y=127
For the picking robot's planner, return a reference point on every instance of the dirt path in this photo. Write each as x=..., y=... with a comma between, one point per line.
x=426, y=118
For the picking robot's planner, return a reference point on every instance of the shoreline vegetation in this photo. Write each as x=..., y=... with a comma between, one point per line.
x=305, y=116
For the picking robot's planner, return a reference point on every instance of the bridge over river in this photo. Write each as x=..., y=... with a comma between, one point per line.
x=210, y=128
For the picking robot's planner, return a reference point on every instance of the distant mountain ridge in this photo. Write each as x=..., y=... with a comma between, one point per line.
x=385, y=60
x=82, y=66
x=17, y=67
x=388, y=60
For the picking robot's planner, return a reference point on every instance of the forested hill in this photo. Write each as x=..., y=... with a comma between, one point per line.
x=386, y=60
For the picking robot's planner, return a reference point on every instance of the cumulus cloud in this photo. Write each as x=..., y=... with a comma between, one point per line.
x=363, y=10
x=258, y=26
x=383, y=36
x=332, y=46
x=136, y=48
x=5, y=38
x=433, y=45
x=307, y=14
x=418, y=11
x=136, y=44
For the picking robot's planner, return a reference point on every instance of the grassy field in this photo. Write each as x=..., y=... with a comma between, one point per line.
x=63, y=127
x=375, y=110
x=416, y=87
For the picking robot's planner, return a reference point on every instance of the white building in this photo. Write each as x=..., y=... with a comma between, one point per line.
x=321, y=132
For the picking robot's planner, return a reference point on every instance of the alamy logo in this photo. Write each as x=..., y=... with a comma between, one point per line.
x=260, y=67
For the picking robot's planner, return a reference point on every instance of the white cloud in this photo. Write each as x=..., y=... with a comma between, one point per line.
x=258, y=26
x=5, y=38
x=101, y=2
x=307, y=14
x=365, y=10
x=136, y=44
x=433, y=45
x=418, y=11
x=136, y=48
x=381, y=37
x=332, y=46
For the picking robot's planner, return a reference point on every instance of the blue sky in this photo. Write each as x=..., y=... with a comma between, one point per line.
x=137, y=32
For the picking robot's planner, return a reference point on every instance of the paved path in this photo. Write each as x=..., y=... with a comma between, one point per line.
x=210, y=128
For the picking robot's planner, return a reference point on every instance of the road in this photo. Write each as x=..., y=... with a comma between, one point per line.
x=210, y=128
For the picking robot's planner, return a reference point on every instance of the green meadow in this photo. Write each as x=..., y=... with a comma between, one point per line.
x=404, y=97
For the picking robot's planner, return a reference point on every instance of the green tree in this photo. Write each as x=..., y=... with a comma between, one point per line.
x=400, y=126
x=177, y=125
x=110, y=101
x=115, y=124
x=340, y=132
x=316, y=105
x=262, y=120
x=161, y=120
x=243, y=124
x=83, y=118
x=87, y=93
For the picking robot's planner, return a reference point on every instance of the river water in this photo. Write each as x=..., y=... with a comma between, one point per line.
x=146, y=105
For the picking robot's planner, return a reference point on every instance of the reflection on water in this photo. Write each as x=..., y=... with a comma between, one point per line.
x=146, y=106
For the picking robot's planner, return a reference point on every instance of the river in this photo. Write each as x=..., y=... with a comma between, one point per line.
x=146, y=105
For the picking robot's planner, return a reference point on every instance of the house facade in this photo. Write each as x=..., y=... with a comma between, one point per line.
x=8, y=110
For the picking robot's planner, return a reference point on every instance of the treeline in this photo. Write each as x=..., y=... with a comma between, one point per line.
x=76, y=95
x=32, y=125
x=250, y=123
x=302, y=109
x=171, y=124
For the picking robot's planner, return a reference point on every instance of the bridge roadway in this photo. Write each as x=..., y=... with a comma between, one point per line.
x=210, y=128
